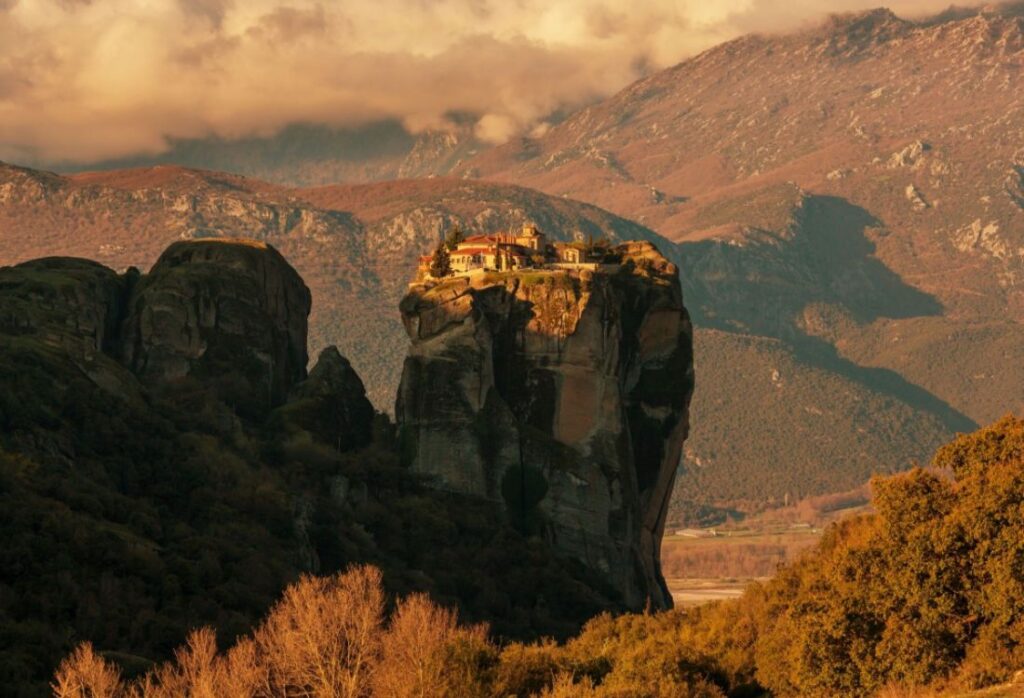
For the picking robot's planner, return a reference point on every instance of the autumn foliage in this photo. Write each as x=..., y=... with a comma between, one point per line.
x=925, y=596
x=926, y=593
x=331, y=637
x=328, y=637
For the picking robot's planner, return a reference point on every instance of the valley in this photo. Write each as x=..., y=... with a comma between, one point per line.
x=708, y=563
x=530, y=350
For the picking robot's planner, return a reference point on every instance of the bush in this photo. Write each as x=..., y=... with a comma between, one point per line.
x=330, y=637
x=930, y=589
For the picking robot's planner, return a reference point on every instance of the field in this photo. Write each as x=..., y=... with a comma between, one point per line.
x=703, y=569
x=709, y=564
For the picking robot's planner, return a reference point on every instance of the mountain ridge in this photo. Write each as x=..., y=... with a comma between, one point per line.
x=903, y=135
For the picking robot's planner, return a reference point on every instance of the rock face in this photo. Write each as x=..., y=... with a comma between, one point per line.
x=563, y=395
x=73, y=303
x=332, y=403
x=60, y=318
x=230, y=313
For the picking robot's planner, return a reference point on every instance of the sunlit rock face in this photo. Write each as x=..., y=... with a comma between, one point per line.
x=562, y=395
x=231, y=314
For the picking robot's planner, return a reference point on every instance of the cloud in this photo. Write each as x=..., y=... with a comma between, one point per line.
x=496, y=128
x=212, y=11
x=83, y=80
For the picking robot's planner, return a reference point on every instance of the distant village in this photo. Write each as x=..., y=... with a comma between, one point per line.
x=526, y=249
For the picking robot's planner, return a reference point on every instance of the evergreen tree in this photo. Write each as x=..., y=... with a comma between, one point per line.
x=441, y=264
x=455, y=236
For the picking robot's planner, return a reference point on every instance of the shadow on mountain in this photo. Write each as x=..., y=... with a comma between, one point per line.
x=819, y=353
x=294, y=145
x=833, y=243
x=763, y=285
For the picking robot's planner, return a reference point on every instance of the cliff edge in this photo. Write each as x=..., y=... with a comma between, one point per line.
x=563, y=395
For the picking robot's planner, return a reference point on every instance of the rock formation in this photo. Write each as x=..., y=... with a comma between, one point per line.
x=230, y=314
x=215, y=308
x=60, y=318
x=564, y=396
x=332, y=405
x=73, y=303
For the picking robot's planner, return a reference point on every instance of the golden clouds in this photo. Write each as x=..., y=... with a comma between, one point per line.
x=90, y=79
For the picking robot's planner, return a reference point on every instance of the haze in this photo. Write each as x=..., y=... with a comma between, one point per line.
x=83, y=80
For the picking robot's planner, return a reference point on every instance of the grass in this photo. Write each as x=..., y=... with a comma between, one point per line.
x=738, y=554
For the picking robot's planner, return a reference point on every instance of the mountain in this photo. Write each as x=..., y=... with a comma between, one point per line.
x=850, y=197
x=356, y=246
x=311, y=154
x=862, y=108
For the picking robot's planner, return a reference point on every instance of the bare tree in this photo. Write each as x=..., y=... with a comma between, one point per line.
x=416, y=650
x=85, y=674
x=321, y=638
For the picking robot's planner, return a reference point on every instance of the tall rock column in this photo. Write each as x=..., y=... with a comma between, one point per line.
x=561, y=395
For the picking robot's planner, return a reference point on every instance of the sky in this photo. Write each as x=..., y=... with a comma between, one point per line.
x=85, y=80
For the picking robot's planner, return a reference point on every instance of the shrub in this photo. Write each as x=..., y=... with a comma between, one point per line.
x=85, y=674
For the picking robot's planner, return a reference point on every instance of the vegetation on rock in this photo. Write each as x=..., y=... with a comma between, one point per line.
x=455, y=236
x=441, y=263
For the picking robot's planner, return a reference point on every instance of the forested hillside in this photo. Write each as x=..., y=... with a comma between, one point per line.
x=923, y=598
x=166, y=463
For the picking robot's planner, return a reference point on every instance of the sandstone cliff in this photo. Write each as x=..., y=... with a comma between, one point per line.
x=561, y=394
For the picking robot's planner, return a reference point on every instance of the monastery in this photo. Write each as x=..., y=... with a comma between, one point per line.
x=510, y=251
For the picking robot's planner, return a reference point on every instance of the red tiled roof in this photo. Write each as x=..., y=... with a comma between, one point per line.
x=474, y=250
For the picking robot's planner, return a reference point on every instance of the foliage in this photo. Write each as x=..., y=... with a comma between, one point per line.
x=440, y=263
x=454, y=237
x=928, y=593
x=332, y=637
x=154, y=514
x=929, y=589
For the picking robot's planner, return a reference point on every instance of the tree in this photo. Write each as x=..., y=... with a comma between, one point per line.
x=85, y=674
x=441, y=264
x=455, y=236
x=323, y=636
x=420, y=653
